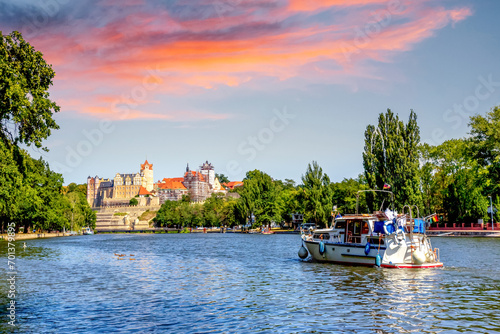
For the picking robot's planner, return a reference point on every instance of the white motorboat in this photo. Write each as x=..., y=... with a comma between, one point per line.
x=87, y=231
x=383, y=239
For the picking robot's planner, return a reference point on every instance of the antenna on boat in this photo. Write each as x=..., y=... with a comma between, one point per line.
x=382, y=205
x=374, y=190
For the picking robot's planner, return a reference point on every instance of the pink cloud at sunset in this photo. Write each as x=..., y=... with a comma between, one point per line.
x=143, y=51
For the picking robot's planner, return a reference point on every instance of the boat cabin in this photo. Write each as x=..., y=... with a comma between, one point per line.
x=352, y=230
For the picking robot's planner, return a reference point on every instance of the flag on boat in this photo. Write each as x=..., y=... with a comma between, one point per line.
x=435, y=219
x=386, y=186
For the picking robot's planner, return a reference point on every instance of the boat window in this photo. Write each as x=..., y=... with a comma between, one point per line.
x=357, y=228
x=326, y=236
x=364, y=228
x=374, y=240
x=340, y=224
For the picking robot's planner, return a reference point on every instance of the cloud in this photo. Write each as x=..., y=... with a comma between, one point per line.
x=125, y=114
x=136, y=51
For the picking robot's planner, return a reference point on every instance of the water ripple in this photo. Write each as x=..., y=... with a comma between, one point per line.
x=229, y=283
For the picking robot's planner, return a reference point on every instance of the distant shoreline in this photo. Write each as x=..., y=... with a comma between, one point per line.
x=432, y=233
x=463, y=233
x=29, y=236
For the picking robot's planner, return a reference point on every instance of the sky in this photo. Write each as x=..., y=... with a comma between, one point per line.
x=253, y=84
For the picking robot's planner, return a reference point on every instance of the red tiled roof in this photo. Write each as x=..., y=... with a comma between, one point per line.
x=174, y=183
x=146, y=163
x=143, y=191
x=200, y=176
x=233, y=184
x=175, y=179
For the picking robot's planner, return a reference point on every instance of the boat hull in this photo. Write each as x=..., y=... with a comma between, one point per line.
x=340, y=253
x=412, y=266
x=394, y=255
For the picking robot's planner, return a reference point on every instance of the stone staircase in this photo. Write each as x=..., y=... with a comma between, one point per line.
x=107, y=221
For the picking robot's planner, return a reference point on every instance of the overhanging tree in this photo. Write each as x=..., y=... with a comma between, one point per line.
x=25, y=108
x=30, y=192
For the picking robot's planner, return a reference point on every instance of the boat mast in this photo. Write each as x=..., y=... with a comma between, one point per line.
x=373, y=190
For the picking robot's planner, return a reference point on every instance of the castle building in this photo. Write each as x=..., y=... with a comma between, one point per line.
x=199, y=185
x=119, y=190
x=171, y=189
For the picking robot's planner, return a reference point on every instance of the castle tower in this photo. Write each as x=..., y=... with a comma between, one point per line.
x=147, y=176
x=208, y=170
x=93, y=184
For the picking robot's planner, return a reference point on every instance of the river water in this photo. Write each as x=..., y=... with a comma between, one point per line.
x=234, y=283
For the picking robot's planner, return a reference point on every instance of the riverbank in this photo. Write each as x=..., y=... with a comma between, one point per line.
x=28, y=236
x=464, y=233
x=160, y=230
x=431, y=233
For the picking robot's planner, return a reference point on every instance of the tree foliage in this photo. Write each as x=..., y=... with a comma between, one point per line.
x=316, y=195
x=391, y=157
x=453, y=181
x=345, y=195
x=222, y=178
x=31, y=194
x=25, y=108
x=259, y=198
x=485, y=147
x=216, y=211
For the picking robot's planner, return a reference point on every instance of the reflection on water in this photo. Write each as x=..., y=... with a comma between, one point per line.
x=228, y=283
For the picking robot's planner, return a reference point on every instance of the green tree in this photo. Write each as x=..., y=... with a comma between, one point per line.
x=25, y=108
x=11, y=186
x=168, y=215
x=222, y=178
x=391, y=157
x=186, y=214
x=316, y=195
x=213, y=210
x=485, y=147
x=432, y=182
x=290, y=203
x=230, y=215
x=345, y=195
x=258, y=197
x=79, y=213
x=454, y=181
x=133, y=202
x=31, y=194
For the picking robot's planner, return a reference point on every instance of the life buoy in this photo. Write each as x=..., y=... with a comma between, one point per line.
x=386, y=231
x=322, y=248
